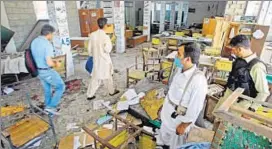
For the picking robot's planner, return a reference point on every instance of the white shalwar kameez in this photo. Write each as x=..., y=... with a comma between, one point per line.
x=100, y=47
x=193, y=100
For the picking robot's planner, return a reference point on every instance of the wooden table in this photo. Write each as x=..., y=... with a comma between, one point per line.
x=184, y=39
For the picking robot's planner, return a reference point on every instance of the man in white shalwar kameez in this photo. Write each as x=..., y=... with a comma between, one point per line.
x=187, y=96
x=100, y=47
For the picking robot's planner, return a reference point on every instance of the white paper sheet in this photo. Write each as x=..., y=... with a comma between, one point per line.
x=134, y=101
x=148, y=129
x=8, y=90
x=122, y=105
x=130, y=94
x=141, y=94
x=71, y=126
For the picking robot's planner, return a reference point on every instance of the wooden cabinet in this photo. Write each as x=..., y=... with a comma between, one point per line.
x=88, y=20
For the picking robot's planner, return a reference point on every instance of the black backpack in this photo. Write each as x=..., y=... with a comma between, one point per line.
x=30, y=63
x=240, y=76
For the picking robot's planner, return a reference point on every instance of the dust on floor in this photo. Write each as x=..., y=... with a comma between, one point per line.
x=74, y=108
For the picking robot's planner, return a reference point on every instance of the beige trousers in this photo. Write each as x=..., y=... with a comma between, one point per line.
x=95, y=83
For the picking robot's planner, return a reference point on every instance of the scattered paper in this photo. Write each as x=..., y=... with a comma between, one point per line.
x=98, y=104
x=76, y=142
x=8, y=90
x=141, y=94
x=71, y=126
x=148, y=129
x=107, y=105
x=122, y=105
x=130, y=94
x=172, y=55
x=35, y=144
x=258, y=34
x=108, y=126
x=134, y=101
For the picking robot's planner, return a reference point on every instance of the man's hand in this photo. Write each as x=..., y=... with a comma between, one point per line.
x=180, y=130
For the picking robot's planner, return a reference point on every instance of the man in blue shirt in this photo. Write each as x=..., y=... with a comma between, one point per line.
x=42, y=51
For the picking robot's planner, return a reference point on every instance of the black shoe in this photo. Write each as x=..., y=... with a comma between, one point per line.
x=115, y=92
x=91, y=98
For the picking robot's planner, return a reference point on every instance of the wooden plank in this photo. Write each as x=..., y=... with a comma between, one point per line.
x=67, y=142
x=98, y=138
x=269, y=105
x=116, y=133
x=247, y=124
x=230, y=100
x=26, y=130
x=122, y=146
x=252, y=114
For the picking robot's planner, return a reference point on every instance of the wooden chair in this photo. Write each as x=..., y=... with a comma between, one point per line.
x=172, y=45
x=136, y=73
x=159, y=44
x=179, y=33
x=29, y=130
x=165, y=71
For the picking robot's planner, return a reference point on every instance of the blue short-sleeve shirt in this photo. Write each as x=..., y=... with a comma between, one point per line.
x=41, y=48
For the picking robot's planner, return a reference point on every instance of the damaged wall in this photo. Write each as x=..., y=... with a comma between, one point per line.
x=73, y=19
x=21, y=16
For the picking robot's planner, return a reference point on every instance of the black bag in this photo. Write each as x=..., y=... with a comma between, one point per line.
x=30, y=63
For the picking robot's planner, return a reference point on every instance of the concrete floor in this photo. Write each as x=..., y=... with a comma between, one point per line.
x=74, y=107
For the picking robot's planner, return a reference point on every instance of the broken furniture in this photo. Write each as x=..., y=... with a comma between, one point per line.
x=242, y=128
x=222, y=68
x=120, y=137
x=88, y=20
x=10, y=110
x=172, y=45
x=248, y=29
x=215, y=91
x=160, y=45
x=80, y=47
x=136, y=40
x=61, y=59
x=135, y=73
x=27, y=131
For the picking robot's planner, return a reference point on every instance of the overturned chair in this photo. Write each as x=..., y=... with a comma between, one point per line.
x=27, y=130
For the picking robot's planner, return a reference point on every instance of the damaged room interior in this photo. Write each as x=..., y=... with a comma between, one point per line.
x=136, y=74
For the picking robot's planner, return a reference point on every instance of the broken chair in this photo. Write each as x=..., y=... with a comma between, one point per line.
x=240, y=127
x=135, y=73
x=120, y=136
x=27, y=131
x=172, y=45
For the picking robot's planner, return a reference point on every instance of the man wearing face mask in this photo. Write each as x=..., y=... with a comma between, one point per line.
x=42, y=52
x=248, y=72
x=185, y=98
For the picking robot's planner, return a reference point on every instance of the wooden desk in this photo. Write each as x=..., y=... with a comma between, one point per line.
x=137, y=40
